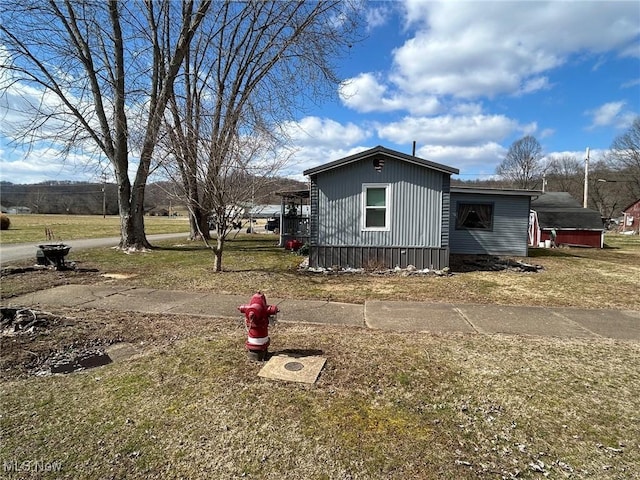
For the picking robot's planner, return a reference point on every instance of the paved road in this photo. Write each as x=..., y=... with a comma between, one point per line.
x=26, y=251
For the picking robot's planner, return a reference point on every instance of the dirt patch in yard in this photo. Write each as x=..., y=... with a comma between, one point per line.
x=18, y=281
x=70, y=334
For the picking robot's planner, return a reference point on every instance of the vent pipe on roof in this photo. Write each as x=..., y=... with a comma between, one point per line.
x=414, y=149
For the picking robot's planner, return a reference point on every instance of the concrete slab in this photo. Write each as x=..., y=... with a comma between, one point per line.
x=317, y=311
x=224, y=306
x=66, y=295
x=521, y=321
x=617, y=324
x=293, y=369
x=144, y=300
x=121, y=351
x=414, y=317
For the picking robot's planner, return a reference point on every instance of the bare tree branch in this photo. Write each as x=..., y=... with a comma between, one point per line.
x=521, y=166
x=103, y=77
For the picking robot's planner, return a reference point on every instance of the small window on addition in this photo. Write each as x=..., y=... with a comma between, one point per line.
x=474, y=216
x=376, y=206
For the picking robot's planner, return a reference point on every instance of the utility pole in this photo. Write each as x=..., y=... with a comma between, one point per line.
x=544, y=181
x=586, y=180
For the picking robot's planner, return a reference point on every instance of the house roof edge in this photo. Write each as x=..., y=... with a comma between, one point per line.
x=384, y=151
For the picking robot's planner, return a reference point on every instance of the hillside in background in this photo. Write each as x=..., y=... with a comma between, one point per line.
x=80, y=198
x=161, y=198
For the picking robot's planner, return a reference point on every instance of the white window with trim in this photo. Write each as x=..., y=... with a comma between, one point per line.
x=376, y=206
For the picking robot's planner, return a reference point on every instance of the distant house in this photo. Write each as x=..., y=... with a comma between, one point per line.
x=631, y=217
x=263, y=211
x=574, y=225
x=18, y=210
x=381, y=207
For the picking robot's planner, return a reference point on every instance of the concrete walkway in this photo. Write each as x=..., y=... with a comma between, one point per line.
x=375, y=314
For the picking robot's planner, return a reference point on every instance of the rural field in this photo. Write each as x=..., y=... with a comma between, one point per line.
x=188, y=403
x=32, y=228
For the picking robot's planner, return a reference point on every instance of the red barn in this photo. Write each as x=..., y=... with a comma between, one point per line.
x=574, y=225
x=631, y=218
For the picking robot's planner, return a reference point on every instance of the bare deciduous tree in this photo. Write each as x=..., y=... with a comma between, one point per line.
x=251, y=65
x=521, y=166
x=604, y=196
x=564, y=174
x=97, y=75
x=625, y=157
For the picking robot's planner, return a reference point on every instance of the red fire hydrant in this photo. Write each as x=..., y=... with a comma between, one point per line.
x=256, y=317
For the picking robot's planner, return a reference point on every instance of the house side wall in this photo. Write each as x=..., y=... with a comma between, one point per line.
x=446, y=211
x=509, y=235
x=415, y=205
x=313, y=218
x=632, y=213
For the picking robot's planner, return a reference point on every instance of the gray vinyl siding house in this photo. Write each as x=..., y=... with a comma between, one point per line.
x=415, y=230
x=383, y=208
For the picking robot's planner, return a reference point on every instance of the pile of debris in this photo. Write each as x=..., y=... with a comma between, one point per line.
x=403, y=272
x=71, y=361
x=490, y=263
x=21, y=321
x=79, y=355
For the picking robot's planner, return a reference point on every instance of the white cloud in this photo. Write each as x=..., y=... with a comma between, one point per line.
x=376, y=16
x=547, y=132
x=314, y=131
x=535, y=84
x=479, y=160
x=311, y=156
x=44, y=163
x=449, y=130
x=611, y=113
x=474, y=49
x=365, y=93
x=469, y=50
x=631, y=83
x=362, y=93
x=320, y=140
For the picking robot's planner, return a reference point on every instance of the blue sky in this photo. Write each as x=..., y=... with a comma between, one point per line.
x=461, y=79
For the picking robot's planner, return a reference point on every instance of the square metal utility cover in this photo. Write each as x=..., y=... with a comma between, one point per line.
x=293, y=369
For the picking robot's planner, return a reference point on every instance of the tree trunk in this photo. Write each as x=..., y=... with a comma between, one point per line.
x=198, y=222
x=218, y=253
x=131, y=209
x=203, y=219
